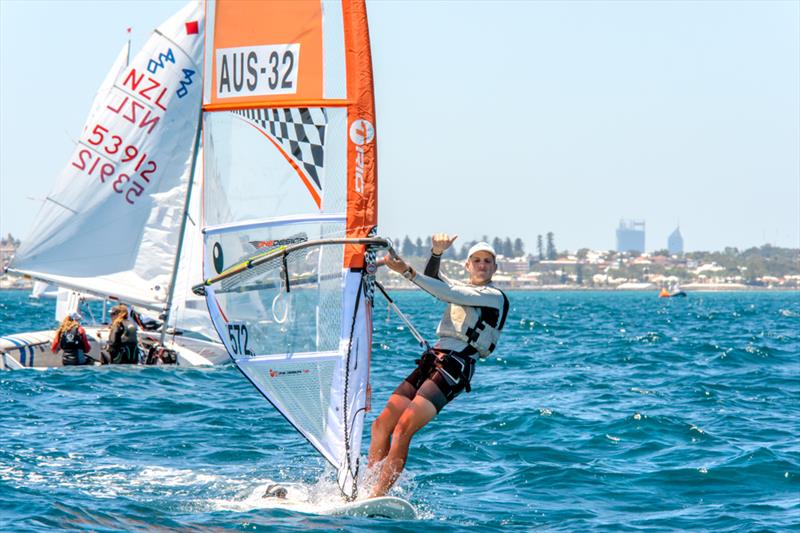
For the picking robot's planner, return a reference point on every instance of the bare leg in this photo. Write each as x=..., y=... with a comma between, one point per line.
x=419, y=412
x=383, y=426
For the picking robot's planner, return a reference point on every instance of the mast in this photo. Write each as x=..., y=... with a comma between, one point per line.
x=128, y=57
x=174, y=276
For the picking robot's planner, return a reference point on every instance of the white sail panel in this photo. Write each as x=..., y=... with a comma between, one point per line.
x=306, y=350
x=189, y=311
x=275, y=162
x=99, y=102
x=304, y=319
x=129, y=171
x=301, y=390
x=67, y=301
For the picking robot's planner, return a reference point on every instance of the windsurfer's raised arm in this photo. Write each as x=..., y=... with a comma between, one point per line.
x=471, y=295
x=432, y=266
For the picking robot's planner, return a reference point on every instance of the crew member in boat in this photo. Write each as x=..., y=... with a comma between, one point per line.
x=71, y=339
x=123, y=346
x=469, y=329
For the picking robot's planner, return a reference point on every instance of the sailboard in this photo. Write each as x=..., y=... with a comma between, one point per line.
x=317, y=500
x=115, y=223
x=383, y=507
x=290, y=211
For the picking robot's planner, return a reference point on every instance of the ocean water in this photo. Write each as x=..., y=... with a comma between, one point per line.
x=599, y=412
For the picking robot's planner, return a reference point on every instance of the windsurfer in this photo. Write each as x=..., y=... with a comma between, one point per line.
x=470, y=326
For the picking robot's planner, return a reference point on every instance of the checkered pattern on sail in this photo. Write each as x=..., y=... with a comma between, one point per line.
x=300, y=131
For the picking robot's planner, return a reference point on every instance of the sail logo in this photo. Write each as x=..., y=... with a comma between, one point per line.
x=153, y=65
x=361, y=132
x=276, y=373
x=187, y=80
x=274, y=243
x=257, y=70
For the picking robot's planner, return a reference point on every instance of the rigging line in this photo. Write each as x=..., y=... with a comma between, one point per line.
x=353, y=421
x=59, y=204
x=346, y=391
x=414, y=331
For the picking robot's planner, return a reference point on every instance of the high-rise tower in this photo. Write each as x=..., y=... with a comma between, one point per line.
x=630, y=236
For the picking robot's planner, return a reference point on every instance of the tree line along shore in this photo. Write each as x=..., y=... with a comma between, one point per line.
x=763, y=267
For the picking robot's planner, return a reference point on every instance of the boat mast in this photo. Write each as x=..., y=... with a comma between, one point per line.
x=184, y=218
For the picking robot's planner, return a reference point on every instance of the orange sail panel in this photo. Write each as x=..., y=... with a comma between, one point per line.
x=266, y=51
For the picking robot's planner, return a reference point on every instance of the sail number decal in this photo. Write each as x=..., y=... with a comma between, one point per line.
x=119, y=147
x=257, y=70
x=238, y=337
x=101, y=157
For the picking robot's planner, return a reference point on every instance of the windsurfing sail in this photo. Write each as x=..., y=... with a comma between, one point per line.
x=108, y=227
x=290, y=200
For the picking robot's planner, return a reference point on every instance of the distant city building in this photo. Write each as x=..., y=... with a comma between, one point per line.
x=518, y=265
x=630, y=236
x=675, y=242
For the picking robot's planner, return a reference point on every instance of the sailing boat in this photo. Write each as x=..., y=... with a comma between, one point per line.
x=290, y=211
x=126, y=190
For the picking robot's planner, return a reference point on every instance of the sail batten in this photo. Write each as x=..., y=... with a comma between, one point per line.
x=290, y=210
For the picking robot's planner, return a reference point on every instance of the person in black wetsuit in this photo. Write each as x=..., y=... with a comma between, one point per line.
x=122, y=347
x=71, y=339
x=470, y=327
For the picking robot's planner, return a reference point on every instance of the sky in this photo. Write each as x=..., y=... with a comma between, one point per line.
x=509, y=119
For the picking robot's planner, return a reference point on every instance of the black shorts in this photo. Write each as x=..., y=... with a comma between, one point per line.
x=439, y=377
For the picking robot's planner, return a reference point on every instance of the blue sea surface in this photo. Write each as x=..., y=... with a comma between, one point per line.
x=599, y=412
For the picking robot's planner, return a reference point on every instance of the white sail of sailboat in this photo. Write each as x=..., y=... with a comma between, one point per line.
x=188, y=311
x=121, y=62
x=126, y=188
x=42, y=289
x=290, y=207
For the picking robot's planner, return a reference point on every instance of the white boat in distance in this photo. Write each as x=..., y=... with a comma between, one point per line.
x=120, y=223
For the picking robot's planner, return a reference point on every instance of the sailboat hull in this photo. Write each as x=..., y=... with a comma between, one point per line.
x=32, y=350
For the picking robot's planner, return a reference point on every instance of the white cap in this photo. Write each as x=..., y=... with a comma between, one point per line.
x=481, y=247
x=76, y=316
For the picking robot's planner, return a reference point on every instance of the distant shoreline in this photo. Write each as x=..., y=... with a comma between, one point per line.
x=560, y=288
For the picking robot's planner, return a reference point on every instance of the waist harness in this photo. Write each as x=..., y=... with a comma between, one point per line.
x=456, y=366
